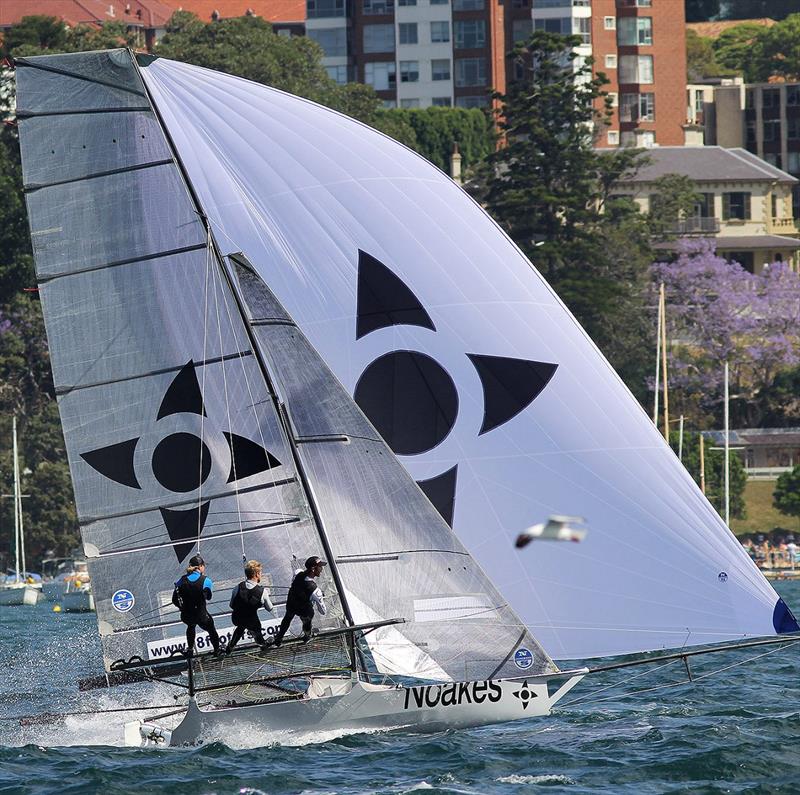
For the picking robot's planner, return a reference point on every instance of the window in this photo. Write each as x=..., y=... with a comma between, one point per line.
x=582, y=26
x=771, y=98
x=611, y=61
x=745, y=258
x=772, y=129
x=406, y=2
x=645, y=138
x=409, y=103
x=521, y=29
x=699, y=102
x=440, y=69
x=380, y=75
x=774, y=205
x=635, y=3
x=441, y=102
x=469, y=33
x=337, y=73
x=439, y=2
x=562, y=25
x=793, y=162
x=332, y=40
x=468, y=5
x=378, y=38
x=470, y=72
x=408, y=32
x=793, y=95
x=378, y=7
x=636, y=69
x=773, y=158
x=637, y=107
x=613, y=98
x=704, y=206
x=324, y=8
x=750, y=132
x=793, y=129
x=610, y=23
x=613, y=137
x=409, y=71
x=440, y=31
x=736, y=206
x=388, y=104
x=635, y=31
x=520, y=3
x=479, y=101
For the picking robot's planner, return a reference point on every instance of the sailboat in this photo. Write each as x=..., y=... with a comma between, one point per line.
x=276, y=333
x=21, y=589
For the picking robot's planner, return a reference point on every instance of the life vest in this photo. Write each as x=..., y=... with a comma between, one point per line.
x=188, y=595
x=245, y=604
x=298, y=600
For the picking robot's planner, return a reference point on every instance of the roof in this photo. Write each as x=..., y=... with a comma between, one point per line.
x=271, y=10
x=147, y=13
x=757, y=437
x=740, y=243
x=708, y=164
x=712, y=29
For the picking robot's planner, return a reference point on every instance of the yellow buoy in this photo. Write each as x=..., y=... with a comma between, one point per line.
x=56, y=608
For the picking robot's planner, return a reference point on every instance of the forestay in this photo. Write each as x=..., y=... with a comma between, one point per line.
x=470, y=367
x=175, y=437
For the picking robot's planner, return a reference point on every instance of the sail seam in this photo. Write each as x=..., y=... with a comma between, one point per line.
x=143, y=258
x=65, y=390
x=139, y=167
x=230, y=493
x=508, y=656
x=206, y=539
x=377, y=556
x=66, y=73
x=36, y=114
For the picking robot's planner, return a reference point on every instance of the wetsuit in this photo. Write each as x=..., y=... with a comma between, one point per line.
x=246, y=598
x=191, y=593
x=303, y=595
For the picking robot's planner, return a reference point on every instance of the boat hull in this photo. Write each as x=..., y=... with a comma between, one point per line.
x=23, y=594
x=54, y=591
x=342, y=704
x=77, y=602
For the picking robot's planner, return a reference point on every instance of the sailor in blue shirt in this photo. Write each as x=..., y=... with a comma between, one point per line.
x=191, y=593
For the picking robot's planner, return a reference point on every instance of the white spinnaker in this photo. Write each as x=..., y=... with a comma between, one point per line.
x=301, y=189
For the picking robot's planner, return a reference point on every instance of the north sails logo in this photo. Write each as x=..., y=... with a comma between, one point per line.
x=410, y=398
x=181, y=462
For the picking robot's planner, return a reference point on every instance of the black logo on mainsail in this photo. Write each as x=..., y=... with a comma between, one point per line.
x=410, y=398
x=181, y=462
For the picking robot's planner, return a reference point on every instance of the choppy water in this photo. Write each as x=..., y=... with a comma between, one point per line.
x=738, y=731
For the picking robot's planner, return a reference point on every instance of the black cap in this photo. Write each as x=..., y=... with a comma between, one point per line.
x=196, y=560
x=314, y=561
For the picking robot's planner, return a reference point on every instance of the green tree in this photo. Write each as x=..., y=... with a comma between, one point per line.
x=38, y=32
x=40, y=35
x=758, y=9
x=552, y=191
x=714, y=461
x=674, y=199
x=786, y=497
x=776, y=52
x=700, y=58
x=737, y=49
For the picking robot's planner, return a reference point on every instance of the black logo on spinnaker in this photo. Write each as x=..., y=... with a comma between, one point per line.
x=181, y=462
x=410, y=398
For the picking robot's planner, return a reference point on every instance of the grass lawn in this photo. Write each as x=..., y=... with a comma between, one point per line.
x=761, y=516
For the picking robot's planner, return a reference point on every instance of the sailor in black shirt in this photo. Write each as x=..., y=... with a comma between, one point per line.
x=191, y=593
x=246, y=598
x=303, y=596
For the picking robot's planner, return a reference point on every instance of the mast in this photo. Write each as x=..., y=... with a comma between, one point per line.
x=279, y=406
x=17, y=517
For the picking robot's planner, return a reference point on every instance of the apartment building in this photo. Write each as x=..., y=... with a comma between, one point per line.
x=764, y=118
x=745, y=204
x=417, y=53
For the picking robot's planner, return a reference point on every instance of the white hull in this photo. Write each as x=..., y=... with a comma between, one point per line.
x=22, y=594
x=77, y=602
x=331, y=703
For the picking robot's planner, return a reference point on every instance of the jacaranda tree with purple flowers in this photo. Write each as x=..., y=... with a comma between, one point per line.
x=716, y=312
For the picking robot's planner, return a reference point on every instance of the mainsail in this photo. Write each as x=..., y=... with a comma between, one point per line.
x=470, y=367
x=197, y=416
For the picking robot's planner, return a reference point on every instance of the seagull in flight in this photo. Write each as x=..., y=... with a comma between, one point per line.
x=556, y=528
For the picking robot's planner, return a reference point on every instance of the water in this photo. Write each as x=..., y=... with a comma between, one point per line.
x=733, y=732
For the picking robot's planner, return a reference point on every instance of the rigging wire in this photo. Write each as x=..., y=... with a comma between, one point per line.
x=203, y=390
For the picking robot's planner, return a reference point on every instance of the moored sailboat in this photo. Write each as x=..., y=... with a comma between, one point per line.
x=194, y=288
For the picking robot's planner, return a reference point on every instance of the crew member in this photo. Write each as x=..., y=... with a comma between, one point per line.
x=304, y=595
x=246, y=598
x=191, y=593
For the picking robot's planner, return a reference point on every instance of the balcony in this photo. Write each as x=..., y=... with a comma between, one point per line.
x=783, y=226
x=698, y=225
